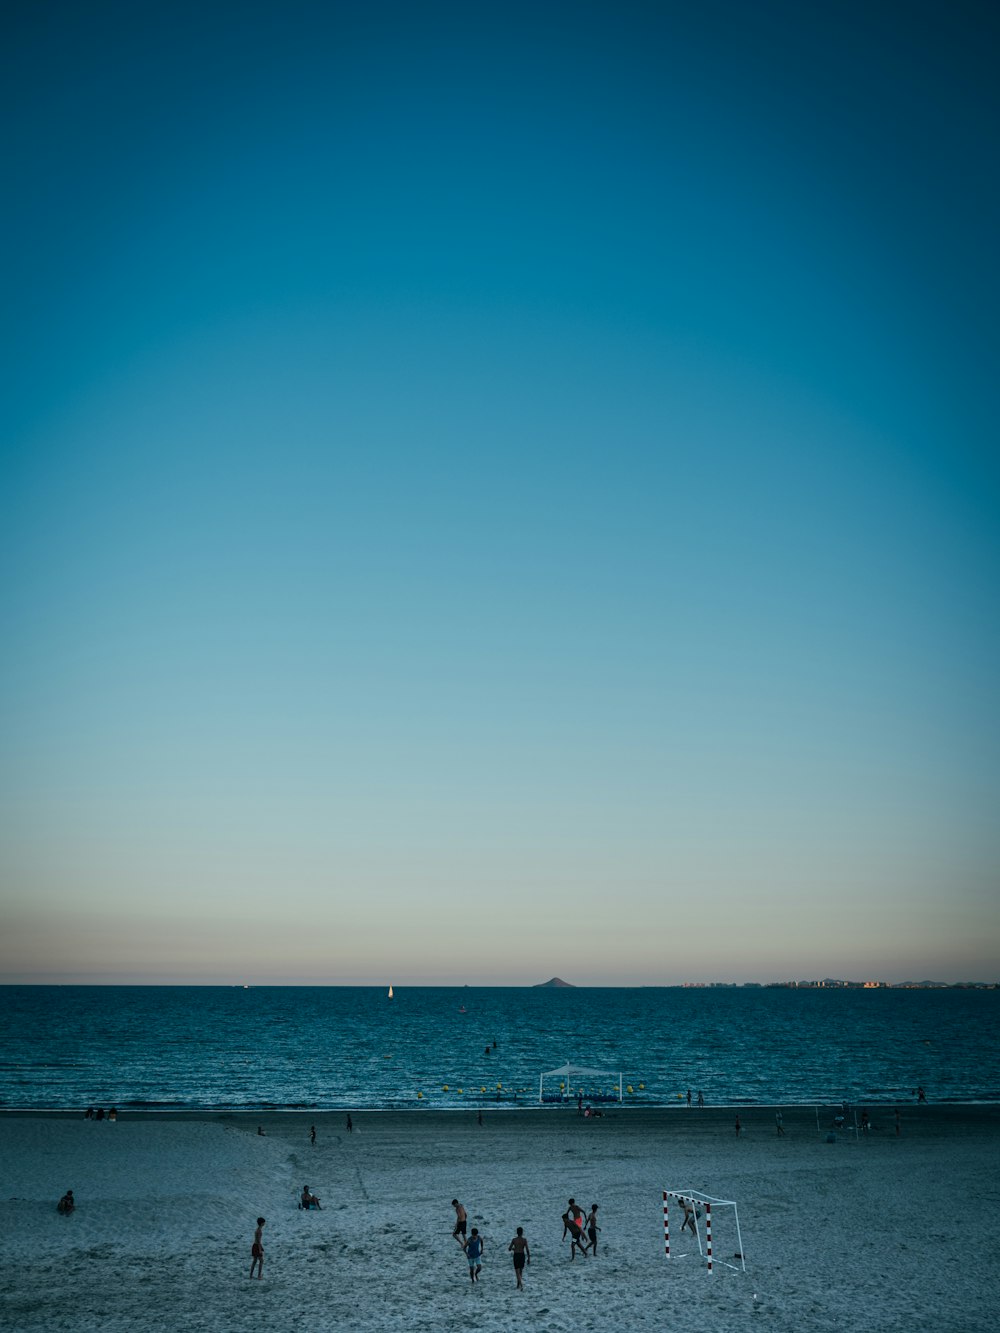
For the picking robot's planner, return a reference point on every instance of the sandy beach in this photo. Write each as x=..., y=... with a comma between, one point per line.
x=875, y=1232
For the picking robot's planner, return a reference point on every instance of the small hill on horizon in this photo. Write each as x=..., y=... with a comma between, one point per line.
x=556, y=982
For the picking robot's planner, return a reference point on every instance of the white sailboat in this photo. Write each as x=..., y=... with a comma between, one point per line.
x=390, y=990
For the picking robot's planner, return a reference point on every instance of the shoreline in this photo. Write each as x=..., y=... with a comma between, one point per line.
x=931, y=1115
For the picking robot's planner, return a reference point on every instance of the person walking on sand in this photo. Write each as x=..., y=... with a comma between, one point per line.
x=592, y=1228
x=739, y=1127
x=779, y=1124
x=461, y=1219
x=473, y=1248
x=257, y=1249
x=689, y=1096
x=573, y=1224
x=522, y=1255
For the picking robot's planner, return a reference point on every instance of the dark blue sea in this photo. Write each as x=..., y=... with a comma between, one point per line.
x=196, y=1047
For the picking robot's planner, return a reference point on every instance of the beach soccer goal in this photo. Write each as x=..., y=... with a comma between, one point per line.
x=699, y=1208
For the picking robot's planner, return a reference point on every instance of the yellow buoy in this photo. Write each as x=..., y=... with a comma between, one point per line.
x=445, y=1088
x=419, y=1096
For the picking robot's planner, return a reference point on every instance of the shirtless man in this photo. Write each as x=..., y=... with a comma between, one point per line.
x=461, y=1218
x=309, y=1200
x=573, y=1224
x=522, y=1256
x=688, y=1223
x=592, y=1228
x=257, y=1250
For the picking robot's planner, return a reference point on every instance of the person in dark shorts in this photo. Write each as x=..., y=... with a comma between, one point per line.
x=522, y=1255
x=573, y=1227
x=592, y=1228
x=257, y=1249
x=461, y=1219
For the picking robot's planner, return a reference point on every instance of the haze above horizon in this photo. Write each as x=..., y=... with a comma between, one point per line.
x=486, y=488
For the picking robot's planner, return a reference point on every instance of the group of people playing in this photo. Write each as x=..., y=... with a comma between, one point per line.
x=581, y=1228
x=575, y=1224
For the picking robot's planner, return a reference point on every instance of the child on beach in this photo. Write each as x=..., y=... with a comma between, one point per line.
x=473, y=1248
x=257, y=1249
x=592, y=1228
x=522, y=1256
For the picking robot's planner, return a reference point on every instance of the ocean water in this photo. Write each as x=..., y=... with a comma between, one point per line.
x=351, y=1047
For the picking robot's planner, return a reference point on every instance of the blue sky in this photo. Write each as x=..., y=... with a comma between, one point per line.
x=499, y=491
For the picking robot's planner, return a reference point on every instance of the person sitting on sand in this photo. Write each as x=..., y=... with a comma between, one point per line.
x=66, y=1204
x=309, y=1200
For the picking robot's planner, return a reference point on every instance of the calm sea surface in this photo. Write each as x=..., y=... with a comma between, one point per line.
x=330, y=1047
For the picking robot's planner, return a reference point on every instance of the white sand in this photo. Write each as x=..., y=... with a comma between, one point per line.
x=886, y=1233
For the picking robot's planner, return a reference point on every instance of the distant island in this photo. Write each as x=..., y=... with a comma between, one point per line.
x=556, y=982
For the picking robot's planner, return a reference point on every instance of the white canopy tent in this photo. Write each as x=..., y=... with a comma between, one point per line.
x=578, y=1081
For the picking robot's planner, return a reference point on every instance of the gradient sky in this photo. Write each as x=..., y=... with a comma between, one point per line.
x=494, y=491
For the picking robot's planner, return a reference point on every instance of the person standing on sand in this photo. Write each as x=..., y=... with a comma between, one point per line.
x=779, y=1123
x=921, y=1095
x=350, y=1126
x=257, y=1249
x=312, y=1135
x=473, y=1248
x=592, y=1228
x=689, y=1096
x=896, y=1114
x=461, y=1218
x=573, y=1223
x=701, y=1101
x=522, y=1256
x=739, y=1127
